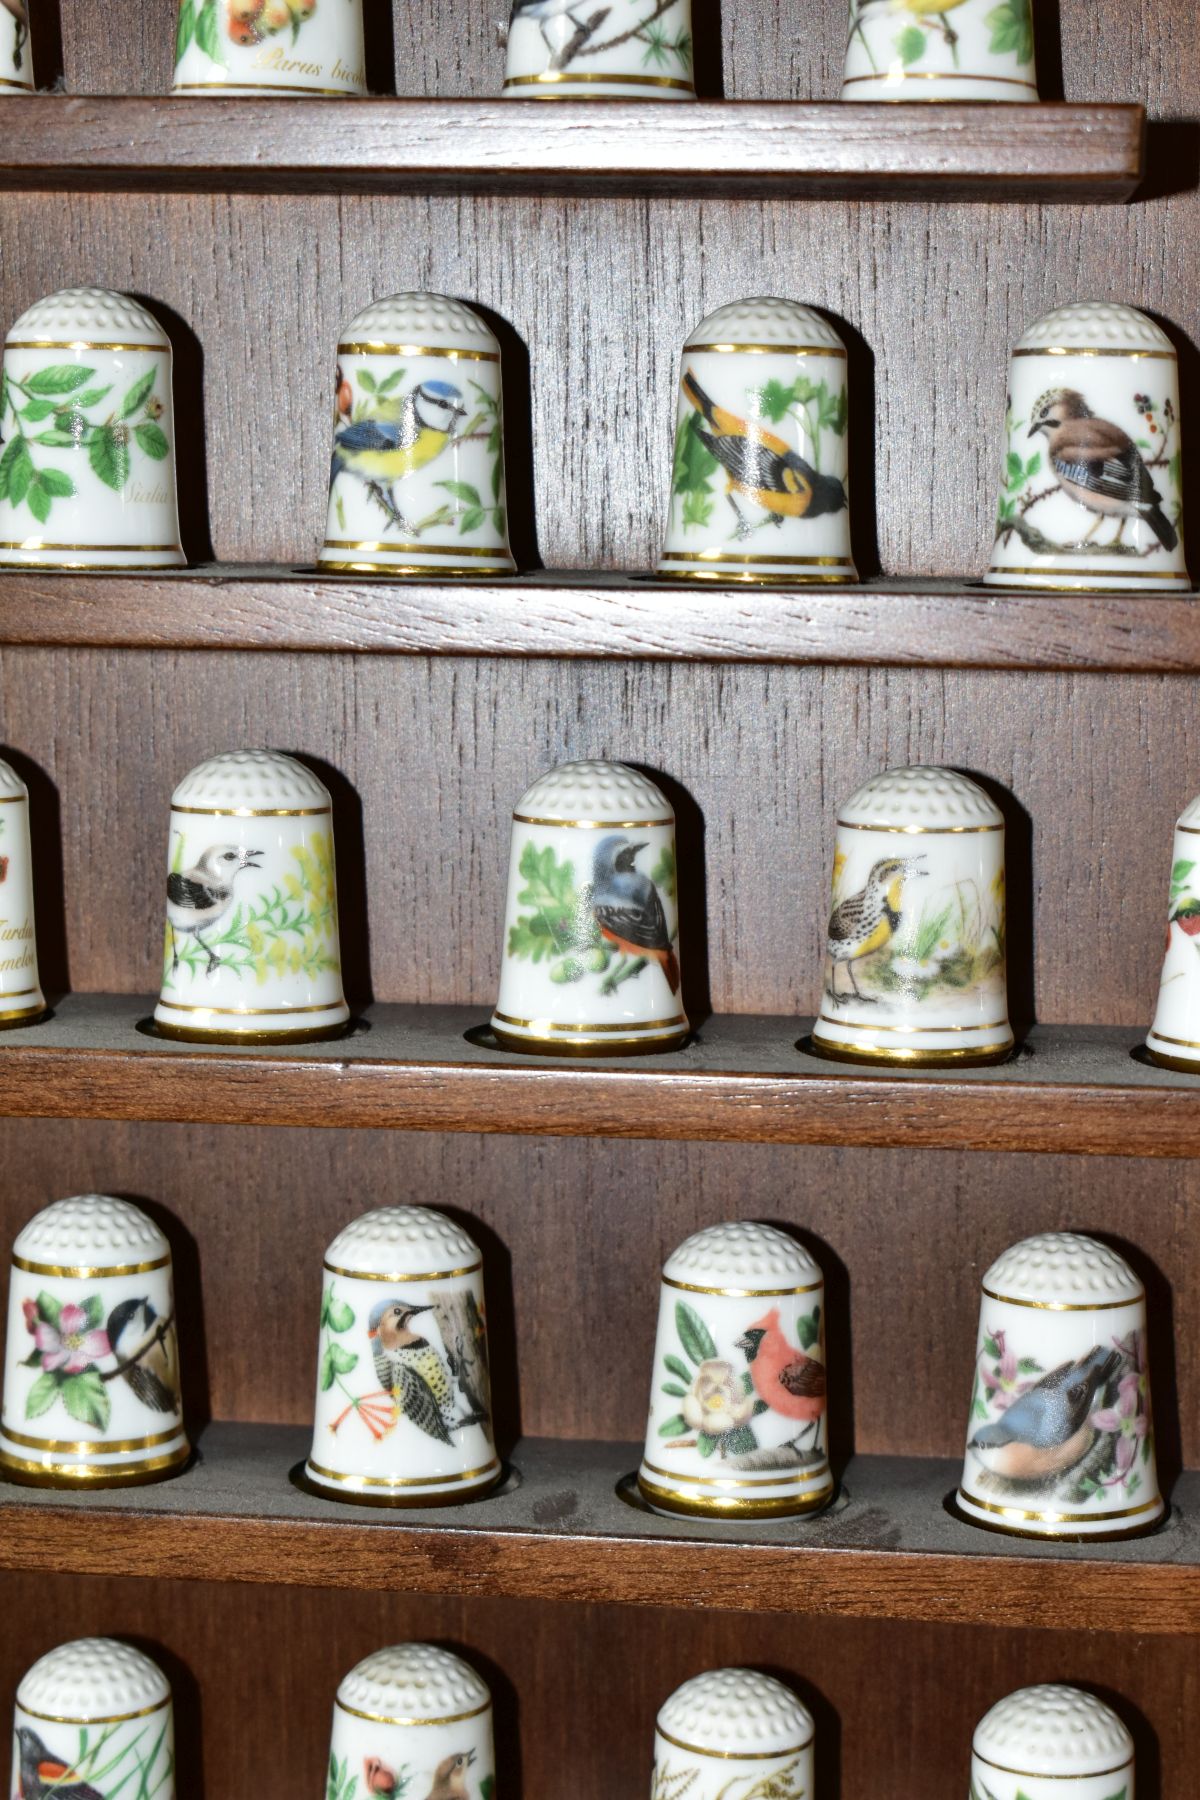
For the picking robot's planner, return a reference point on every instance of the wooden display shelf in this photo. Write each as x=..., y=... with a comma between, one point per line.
x=888, y=1549
x=926, y=624
x=1074, y=1089
x=753, y=149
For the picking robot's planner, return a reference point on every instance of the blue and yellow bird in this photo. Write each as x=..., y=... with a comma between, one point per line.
x=400, y=437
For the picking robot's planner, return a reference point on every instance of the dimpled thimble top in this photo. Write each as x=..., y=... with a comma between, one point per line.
x=1059, y=1267
x=419, y=321
x=920, y=798
x=414, y=1684
x=251, y=781
x=92, y=1679
x=88, y=318
x=1053, y=1730
x=766, y=321
x=91, y=1231
x=404, y=1242
x=594, y=792
x=11, y=785
x=732, y=1712
x=743, y=1252
x=1095, y=325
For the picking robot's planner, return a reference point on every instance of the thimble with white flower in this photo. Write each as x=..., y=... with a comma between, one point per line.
x=404, y=1409
x=1051, y=1743
x=251, y=953
x=559, y=52
x=737, y=1425
x=1174, y=1037
x=1060, y=1435
x=16, y=63
x=270, y=47
x=731, y=1733
x=91, y=1367
x=94, y=1719
x=413, y=1719
x=914, y=961
x=940, y=50
x=21, y=999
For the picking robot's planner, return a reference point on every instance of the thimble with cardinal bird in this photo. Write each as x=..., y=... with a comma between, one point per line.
x=270, y=48
x=413, y=1719
x=737, y=1425
x=1052, y=1742
x=1174, y=1037
x=733, y=1732
x=93, y=1720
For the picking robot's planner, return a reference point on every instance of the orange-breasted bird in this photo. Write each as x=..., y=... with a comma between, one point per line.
x=1048, y=1429
x=44, y=1775
x=762, y=466
x=628, y=908
x=450, y=1777
x=1099, y=466
x=787, y=1380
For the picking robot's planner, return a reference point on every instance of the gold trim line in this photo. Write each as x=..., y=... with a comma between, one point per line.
x=1184, y=1043
x=943, y=75
x=383, y=1719
x=732, y=1293
x=41, y=544
x=879, y=1056
x=734, y=576
x=834, y=350
x=1088, y=582
x=629, y=1026
x=79, y=344
x=264, y=90
x=25, y=87
x=434, y=570
x=402, y=1280
x=1130, y=355
x=89, y=1272
x=919, y=830
x=725, y=1483
x=733, y=1755
x=410, y=549
x=406, y=1481
x=594, y=825
x=12, y=799
x=912, y=1030
x=723, y=556
x=253, y=1012
x=94, y=1718
x=251, y=812
x=64, y=1446
x=1054, y=1774
x=369, y=347
x=1063, y=1518
x=58, y=568
x=717, y=1506
x=22, y=1012
x=1064, y=1305
x=65, y=1475
x=552, y=77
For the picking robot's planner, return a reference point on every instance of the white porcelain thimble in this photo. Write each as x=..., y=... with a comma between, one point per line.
x=92, y=1719
x=758, y=478
x=413, y=1720
x=21, y=998
x=404, y=1409
x=1091, y=492
x=1060, y=1435
x=87, y=473
x=91, y=1374
x=1051, y=1743
x=416, y=485
x=590, y=962
x=16, y=63
x=914, y=961
x=270, y=47
x=738, y=1396
x=1174, y=1037
x=562, y=50
x=251, y=951
x=940, y=50
x=733, y=1734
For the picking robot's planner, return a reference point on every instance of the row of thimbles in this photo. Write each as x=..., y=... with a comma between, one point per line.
x=95, y=1716
x=1091, y=490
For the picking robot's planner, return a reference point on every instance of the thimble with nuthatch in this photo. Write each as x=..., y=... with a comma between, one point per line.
x=270, y=48
x=733, y=1732
x=914, y=962
x=1060, y=1437
x=251, y=952
x=21, y=999
x=413, y=1719
x=938, y=50
x=558, y=50
x=1174, y=1037
x=91, y=1371
x=416, y=485
x=87, y=474
x=758, y=482
x=590, y=964
x=1051, y=1743
x=94, y=1718
x=1091, y=491
x=404, y=1409
x=16, y=63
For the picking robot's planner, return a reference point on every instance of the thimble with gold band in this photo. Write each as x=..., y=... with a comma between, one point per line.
x=730, y=1733
x=558, y=53
x=270, y=48
x=941, y=50
x=413, y=1719
x=21, y=998
x=94, y=1719
x=1052, y=1743
x=1174, y=1038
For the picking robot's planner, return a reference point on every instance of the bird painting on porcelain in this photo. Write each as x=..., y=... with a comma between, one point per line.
x=19, y=40
x=906, y=42
x=78, y=1353
x=57, y=419
x=429, y=1358
x=216, y=919
x=607, y=929
x=570, y=33
x=95, y=1767
x=452, y=1779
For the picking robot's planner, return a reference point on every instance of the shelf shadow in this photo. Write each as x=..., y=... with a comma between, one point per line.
x=860, y=439
x=517, y=394
x=191, y=460
x=1172, y=159
x=1189, y=397
x=1018, y=903
x=379, y=42
x=501, y=1328
x=707, y=40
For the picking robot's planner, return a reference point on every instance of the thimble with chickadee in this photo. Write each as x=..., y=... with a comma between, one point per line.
x=560, y=50
x=270, y=47
x=1060, y=1438
x=91, y=1373
x=1051, y=1743
x=251, y=952
x=93, y=1719
x=16, y=63
x=589, y=964
x=731, y=1733
x=21, y=999
x=914, y=962
x=1174, y=1037
x=413, y=1719
x=938, y=50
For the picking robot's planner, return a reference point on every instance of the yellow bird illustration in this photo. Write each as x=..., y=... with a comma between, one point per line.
x=400, y=437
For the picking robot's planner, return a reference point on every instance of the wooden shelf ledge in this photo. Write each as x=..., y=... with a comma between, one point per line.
x=1074, y=1089
x=888, y=1550
x=1049, y=152
x=919, y=624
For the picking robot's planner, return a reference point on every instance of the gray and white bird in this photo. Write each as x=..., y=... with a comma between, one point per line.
x=200, y=896
x=559, y=26
x=142, y=1340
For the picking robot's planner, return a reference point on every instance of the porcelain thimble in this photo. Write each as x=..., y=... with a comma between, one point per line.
x=1051, y=1743
x=730, y=1733
x=940, y=50
x=91, y=1373
x=590, y=961
x=270, y=47
x=93, y=1718
x=404, y=1407
x=758, y=479
x=914, y=960
x=87, y=473
x=1060, y=1437
x=738, y=1395
x=1091, y=492
x=251, y=953
x=416, y=485
x=416, y=1720
x=1174, y=1037
x=21, y=999
x=562, y=50
x=16, y=63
